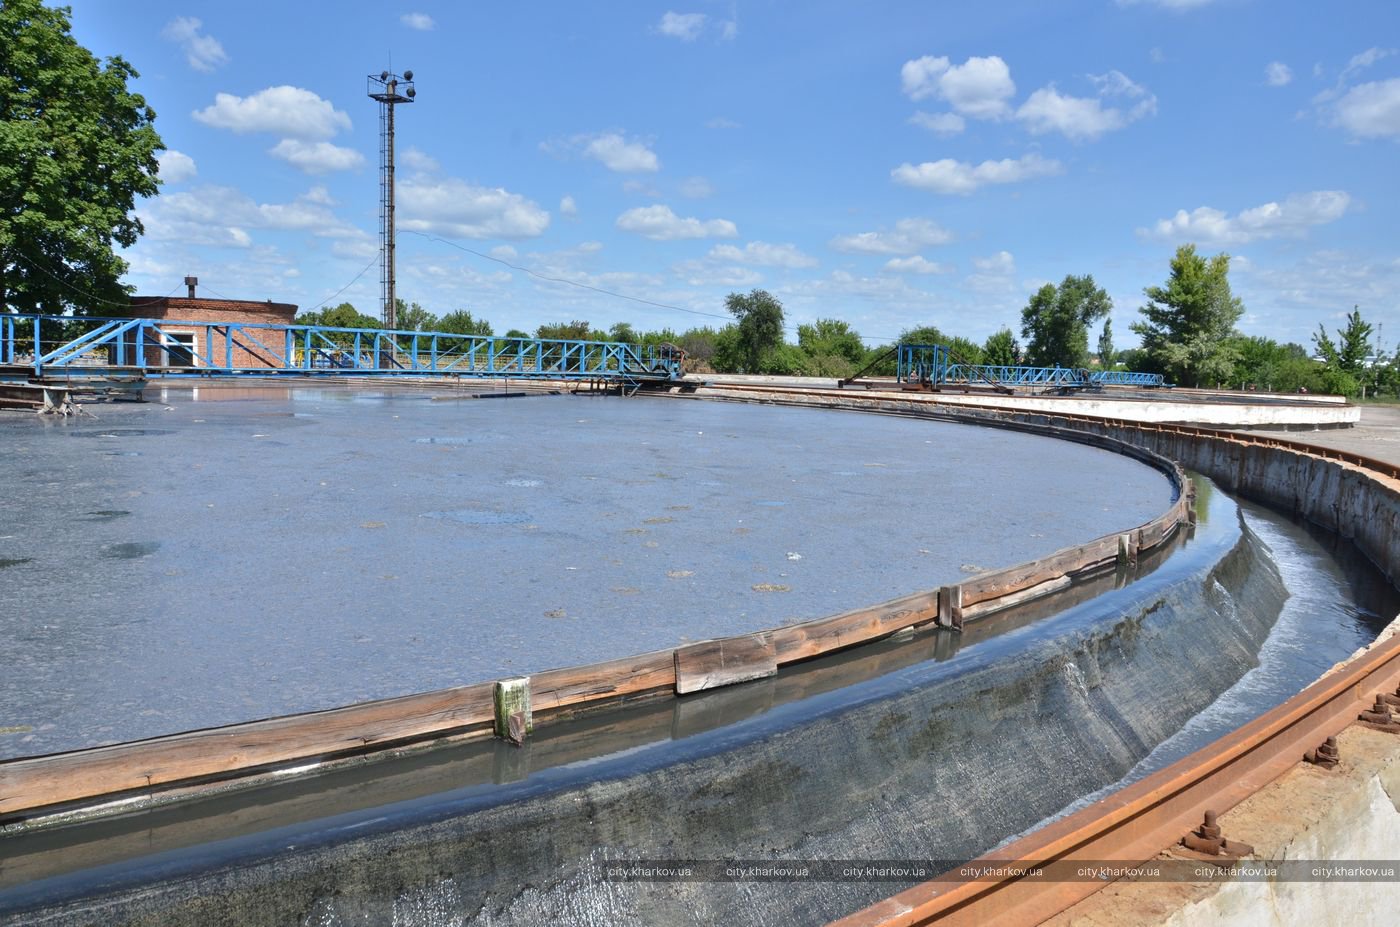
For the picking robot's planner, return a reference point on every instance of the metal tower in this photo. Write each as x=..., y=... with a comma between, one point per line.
x=389, y=89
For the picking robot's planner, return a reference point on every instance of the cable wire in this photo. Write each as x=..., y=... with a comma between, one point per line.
x=346, y=287
x=129, y=304
x=595, y=289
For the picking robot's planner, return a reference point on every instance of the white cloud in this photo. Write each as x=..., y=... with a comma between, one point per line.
x=719, y=122
x=944, y=124
x=448, y=206
x=215, y=215
x=684, y=26
x=764, y=255
x=420, y=21
x=961, y=177
x=1278, y=74
x=917, y=264
x=696, y=188
x=703, y=273
x=1371, y=110
x=618, y=154
x=175, y=166
x=1362, y=61
x=284, y=110
x=202, y=52
x=659, y=223
x=979, y=87
x=994, y=276
x=568, y=208
x=1291, y=218
x=417, y=160
x=1085, y=118
x=1000, y=263
x=316, y=157
x=907, y=237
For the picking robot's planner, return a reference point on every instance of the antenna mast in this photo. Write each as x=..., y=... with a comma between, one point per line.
x=389, y=89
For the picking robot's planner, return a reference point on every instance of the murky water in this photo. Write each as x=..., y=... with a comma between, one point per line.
x=939, y=759
x=226, y=554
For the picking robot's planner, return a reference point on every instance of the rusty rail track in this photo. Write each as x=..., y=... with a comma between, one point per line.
x=1136, y=823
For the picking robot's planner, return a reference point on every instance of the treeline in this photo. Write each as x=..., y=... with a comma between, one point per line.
x=1187, y=331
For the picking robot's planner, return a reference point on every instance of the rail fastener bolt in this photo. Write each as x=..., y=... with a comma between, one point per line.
x=1379, y=717
x=1325, y=755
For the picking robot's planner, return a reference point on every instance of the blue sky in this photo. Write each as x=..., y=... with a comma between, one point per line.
x=891, y=164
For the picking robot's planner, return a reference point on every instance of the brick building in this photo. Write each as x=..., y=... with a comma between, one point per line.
x=207, y=333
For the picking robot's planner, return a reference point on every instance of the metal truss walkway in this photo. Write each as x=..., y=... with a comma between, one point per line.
x=931, y=365
x=39, y=347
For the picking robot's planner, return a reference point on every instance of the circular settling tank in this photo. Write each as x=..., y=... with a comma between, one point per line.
x=222, y=554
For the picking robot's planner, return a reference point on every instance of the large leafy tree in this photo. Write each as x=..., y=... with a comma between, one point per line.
x=1055, y=323
x=77, y=148
x=1001, y=349
x=1187, y=324
x=1349, y=353
x=462, y=323
x=759, y=318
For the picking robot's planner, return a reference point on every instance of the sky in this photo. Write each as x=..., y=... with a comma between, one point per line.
x=891, y=164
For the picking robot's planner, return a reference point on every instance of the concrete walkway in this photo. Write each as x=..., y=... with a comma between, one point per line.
x=1377, y=435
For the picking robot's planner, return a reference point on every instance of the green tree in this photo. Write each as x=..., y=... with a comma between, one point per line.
x=624, y=332
x=1352, y=347
x=76, y=150
x=1001, y=349
x=411, y=317
x=1187, y=324
x=923, y=334
x=699, y=347
x=576, y=330
x=759, y=320
x=830, y=338
x=963, y=351
x=1105, y=351
x=462, y=323
x=1055, y=323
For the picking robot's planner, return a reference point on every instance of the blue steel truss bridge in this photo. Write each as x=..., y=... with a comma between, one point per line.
x=36, y=348
x=931, y=366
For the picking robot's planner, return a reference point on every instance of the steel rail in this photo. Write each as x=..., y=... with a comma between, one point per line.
x=1137, y=823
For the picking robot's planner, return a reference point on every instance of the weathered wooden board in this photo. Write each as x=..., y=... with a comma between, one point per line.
x=710, y=664
x=38, y=782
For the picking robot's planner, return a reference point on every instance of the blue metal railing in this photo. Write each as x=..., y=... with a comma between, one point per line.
x=931, y=364
x=32, y=345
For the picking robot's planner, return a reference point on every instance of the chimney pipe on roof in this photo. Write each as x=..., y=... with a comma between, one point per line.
x=191, y=282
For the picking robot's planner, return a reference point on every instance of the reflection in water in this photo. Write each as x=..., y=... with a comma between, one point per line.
x=935, y=758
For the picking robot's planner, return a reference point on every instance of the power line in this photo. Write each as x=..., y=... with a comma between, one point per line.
x=129, y=304
x=565, y=280
x=595, y=289
x=346, y=287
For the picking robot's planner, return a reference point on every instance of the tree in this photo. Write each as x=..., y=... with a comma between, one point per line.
x=623, y=332
x=923, y=334
x=1187, y=325
x=963, y=351
x=1105, y=351
x=1001, y=349
x=76, y=150
x=411, y=317
x=462, y=323
x=760, y=326
x=1055, y=323
x=565, y=331
x=1352, y=348
x=830, y=338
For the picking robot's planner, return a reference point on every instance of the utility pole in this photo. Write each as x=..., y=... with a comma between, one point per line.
x=389, y=89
